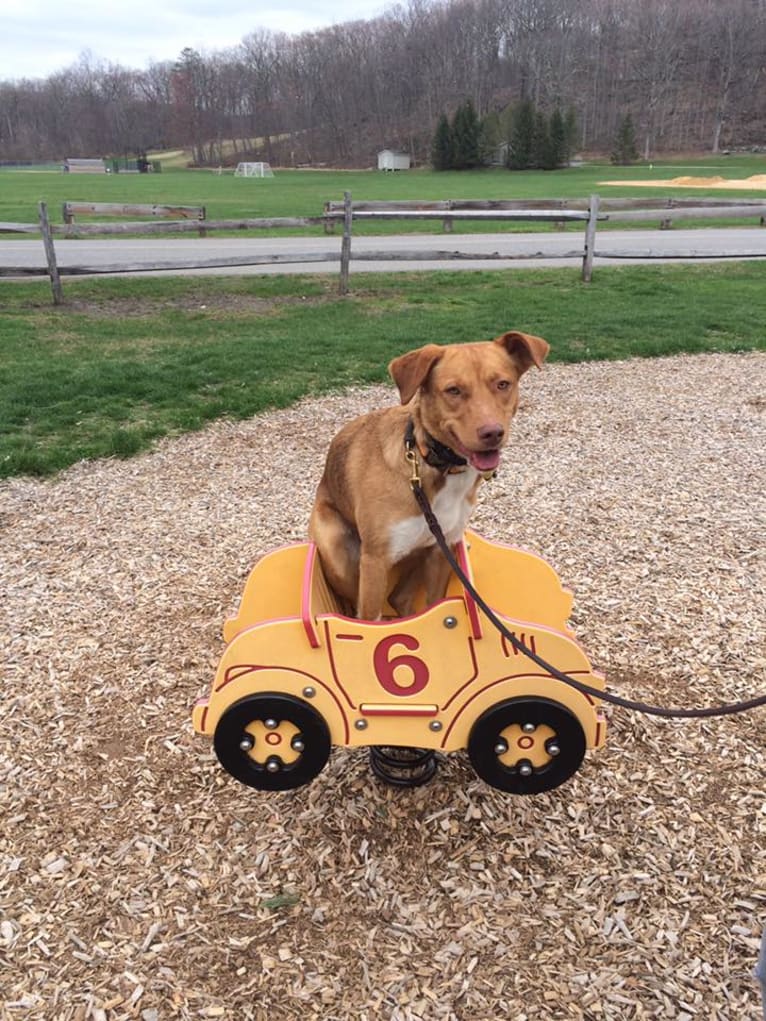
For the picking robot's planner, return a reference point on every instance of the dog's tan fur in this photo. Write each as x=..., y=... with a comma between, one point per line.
x=365, y=521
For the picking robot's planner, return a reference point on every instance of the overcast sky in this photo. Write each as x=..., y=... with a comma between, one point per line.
x=38, y=37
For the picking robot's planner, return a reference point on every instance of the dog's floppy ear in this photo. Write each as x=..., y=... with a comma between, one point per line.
x=410, y=371
x=525, y=349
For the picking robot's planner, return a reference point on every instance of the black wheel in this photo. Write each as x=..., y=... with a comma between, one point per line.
x=272, y=742
x=526, y=745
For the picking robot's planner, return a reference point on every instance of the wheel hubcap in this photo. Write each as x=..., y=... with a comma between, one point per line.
x=526, y=747
x=272, y=743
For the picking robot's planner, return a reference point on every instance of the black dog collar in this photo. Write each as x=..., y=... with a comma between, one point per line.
x=435, y=454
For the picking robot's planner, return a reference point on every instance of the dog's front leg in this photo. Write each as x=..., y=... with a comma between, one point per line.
x=373, y=585
x=436, y=572
x=427, y=574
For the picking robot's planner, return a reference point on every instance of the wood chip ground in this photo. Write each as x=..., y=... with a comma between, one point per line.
x=138, y=881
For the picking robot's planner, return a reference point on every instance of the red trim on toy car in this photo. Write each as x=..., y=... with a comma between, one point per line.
x=502, y=680
x=308, y=573
x=511, y=650
x=203, y=720
x=242, y=670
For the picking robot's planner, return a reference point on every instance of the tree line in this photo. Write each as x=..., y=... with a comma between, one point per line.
x=690, y=74
x=520, y=137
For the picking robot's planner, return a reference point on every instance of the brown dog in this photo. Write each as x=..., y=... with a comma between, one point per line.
x=458, y=402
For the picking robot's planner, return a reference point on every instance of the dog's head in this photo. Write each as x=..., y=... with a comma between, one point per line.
x=467, y=394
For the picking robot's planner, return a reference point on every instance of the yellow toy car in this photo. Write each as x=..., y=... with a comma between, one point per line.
x=297, y=677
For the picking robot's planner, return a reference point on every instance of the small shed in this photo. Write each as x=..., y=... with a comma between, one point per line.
x=393, y=159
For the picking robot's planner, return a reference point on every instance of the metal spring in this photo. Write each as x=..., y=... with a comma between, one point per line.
x=403, y=767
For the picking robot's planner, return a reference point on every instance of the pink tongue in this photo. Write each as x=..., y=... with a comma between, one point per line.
x=485, y=460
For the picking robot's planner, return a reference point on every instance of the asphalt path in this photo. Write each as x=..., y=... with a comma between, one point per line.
x=501, y=251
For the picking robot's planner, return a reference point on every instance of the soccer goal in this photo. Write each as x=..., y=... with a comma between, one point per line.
x=253, y=170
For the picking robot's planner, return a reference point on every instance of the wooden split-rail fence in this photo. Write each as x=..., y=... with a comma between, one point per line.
x=584, y=213
x=560, y=212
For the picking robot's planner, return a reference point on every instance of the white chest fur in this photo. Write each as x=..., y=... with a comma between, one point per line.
x=452, y=505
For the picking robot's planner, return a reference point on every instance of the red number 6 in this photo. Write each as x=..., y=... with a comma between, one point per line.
x=385, y=667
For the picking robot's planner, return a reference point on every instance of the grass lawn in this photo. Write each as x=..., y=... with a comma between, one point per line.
x=304, y=192
x=128, y=360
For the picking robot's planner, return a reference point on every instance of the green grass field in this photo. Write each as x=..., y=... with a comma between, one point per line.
x=126, y=361
x=304, y=192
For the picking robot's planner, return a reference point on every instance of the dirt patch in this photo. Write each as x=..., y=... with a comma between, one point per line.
x=148, y=308
x=140, y=882
x=755, y=183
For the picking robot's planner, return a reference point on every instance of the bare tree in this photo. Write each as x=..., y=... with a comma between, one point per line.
x=733, y=55
x=691, y=73
x=656, y=45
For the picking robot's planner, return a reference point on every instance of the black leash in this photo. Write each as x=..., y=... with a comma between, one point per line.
x=641, y=707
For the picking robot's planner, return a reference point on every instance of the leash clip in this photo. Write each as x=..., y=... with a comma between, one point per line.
x=412, y=458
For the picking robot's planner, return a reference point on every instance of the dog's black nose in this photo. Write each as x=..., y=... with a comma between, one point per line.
x=491, y=434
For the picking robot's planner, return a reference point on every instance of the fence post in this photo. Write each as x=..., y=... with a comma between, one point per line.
x=50, y=254
x=345, y=248
x=590, y=239
x=447, y=223
x=68, y=217
x=561, y=224
x=202, y=217
x=760, y=971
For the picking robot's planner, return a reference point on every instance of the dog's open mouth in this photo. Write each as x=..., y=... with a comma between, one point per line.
x=484, y=460
x=481, y=460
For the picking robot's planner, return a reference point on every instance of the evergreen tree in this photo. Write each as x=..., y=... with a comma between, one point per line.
x=541, y=145
x=506, y=119
x=522, y=135
x=571, y=132
x=625, y=150
x=490, y=136
x=557, y=142
x=465, y=137
x=441, y=147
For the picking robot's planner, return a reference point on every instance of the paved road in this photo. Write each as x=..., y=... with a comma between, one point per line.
x=515, y=250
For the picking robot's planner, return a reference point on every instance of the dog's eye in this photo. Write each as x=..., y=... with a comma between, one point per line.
x=503, y=384
x=453, y=391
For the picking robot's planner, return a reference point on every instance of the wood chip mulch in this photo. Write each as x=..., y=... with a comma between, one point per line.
x=138, y=881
